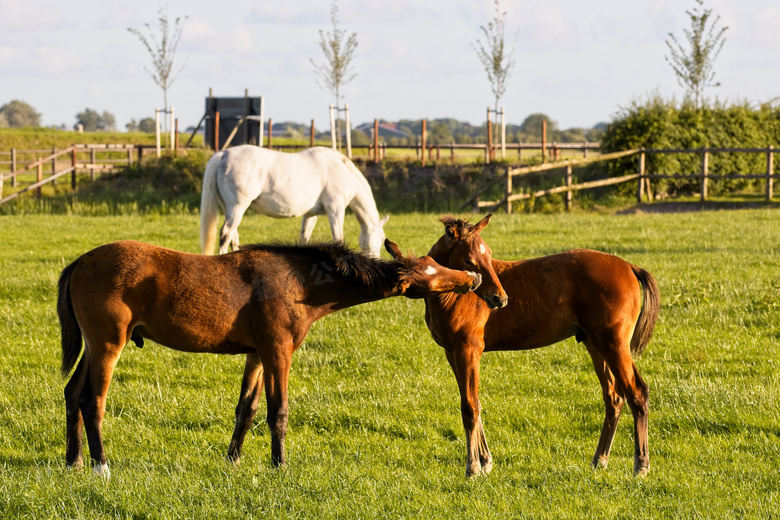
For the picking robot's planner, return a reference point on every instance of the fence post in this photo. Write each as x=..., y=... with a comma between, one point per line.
x=130, y=155
x=422, y=144
x=769, y=171
x=270, y=132
x=92, y=162
x=13, y=167
x=38, y=192
x=73, y=165
x=348, y=131
x=544, y=141
x=157, y=130
x=489, y=156
x=640, y=187
x=508, y=192
x=332, y=129
x=568, y=185
x=376, y=141
x=704, y=173
x=503, y=135
x=170, y=122
x=216, y=134
x=54, y=165
x=311, y=135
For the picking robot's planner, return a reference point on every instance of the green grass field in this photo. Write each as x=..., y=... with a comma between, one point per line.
x=375, y=428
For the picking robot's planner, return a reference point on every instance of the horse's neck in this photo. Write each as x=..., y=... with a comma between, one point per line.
x=343, y=293
x=364, y=206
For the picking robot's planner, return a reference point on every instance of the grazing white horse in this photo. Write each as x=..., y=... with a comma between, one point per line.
x=315, y=181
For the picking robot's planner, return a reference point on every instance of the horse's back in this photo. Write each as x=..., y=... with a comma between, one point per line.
x=284, y=184
x=557, y=296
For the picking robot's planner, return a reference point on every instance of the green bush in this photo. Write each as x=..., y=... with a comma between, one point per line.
x=657, y=123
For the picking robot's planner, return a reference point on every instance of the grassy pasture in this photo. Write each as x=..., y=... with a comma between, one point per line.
x=375, y=428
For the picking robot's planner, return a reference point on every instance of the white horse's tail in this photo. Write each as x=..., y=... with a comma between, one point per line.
x=209, y=207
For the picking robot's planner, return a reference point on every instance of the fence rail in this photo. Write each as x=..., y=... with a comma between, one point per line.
x=102, y=158
x=641, y=176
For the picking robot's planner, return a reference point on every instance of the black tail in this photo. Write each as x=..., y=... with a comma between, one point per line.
x=71, y=333
x=651, y=303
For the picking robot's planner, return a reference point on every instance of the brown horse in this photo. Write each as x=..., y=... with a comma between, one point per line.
x=260, y=301
x=592, y=296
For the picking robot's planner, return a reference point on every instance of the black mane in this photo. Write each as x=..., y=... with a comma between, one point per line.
x=347, y=262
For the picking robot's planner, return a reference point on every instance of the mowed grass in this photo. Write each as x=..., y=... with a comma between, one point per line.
x=375, y=428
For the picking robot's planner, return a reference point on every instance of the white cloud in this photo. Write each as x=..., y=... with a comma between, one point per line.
x=241, y=40
x=18, y=15
x=767, y=28
x=547, y=27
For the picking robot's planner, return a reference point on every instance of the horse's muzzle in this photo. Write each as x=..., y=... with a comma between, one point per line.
x=496, y=301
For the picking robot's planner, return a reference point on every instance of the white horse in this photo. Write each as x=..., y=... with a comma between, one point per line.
x=315, y=181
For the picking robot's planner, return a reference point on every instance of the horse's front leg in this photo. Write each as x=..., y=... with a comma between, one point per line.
x=307, y=228
x=465, y=364
x=336, y=219
x=251, y=387
x=276, y=376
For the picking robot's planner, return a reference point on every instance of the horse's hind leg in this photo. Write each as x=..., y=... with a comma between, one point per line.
x=228, y=235
x=635, y=391
x=613, y=405
x=251, y=389
x=100, y=368
x=74, y=421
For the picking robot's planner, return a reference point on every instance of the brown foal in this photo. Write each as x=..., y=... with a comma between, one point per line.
x=596, y=297
x=259, y=301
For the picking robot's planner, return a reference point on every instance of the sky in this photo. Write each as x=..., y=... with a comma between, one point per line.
x=579, y=62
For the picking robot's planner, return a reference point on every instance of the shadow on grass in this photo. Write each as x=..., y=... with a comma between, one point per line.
x=694, y=206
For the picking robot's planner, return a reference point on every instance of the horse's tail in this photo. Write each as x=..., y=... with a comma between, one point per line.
x=209, y=209
x=649, y=314
x=71, y=333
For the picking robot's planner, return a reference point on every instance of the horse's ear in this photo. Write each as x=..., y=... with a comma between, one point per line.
x=393, y=249
x=384, y=220
x=479, y=226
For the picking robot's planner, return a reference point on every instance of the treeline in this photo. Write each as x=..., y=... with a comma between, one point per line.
x=407, y=132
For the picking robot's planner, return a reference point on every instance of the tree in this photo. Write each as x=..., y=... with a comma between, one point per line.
x=162, y=51
x=492, y=53
x=146, y=125
x=335, y=73
x=94, y=121
x=17, y=114
x=694, y=67
x=532, y=125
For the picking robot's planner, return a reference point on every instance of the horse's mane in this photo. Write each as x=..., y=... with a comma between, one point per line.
x=349, y=263
x=460, y=227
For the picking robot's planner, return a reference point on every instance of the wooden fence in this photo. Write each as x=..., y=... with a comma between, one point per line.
x=79, y=158
x=642, y=177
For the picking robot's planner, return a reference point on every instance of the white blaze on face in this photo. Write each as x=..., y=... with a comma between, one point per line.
x=430, y=270
x=482, y=248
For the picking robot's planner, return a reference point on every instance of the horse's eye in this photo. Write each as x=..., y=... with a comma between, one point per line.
x=470, y=263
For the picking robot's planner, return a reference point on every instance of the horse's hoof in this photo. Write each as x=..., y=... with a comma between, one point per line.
x=487, y=467
x=600, y=463
x=101, y=470
x=77, y=466
x=641, y=472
